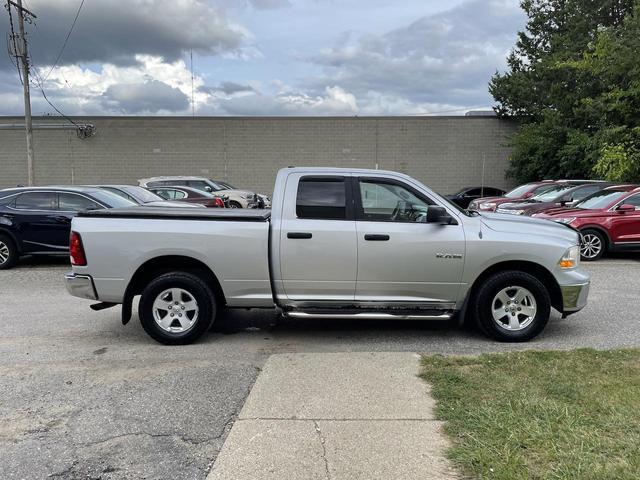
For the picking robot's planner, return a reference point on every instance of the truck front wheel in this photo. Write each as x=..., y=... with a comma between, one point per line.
x=512, y=306
x=177, y=308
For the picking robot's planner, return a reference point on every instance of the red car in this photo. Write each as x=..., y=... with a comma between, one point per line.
x=489, y=204
x=189, y=195
x=608, y=220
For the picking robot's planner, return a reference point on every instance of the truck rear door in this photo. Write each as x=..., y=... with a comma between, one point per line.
x=318, y=244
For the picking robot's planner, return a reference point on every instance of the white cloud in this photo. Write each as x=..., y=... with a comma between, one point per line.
x=334, y=101
x=114, y=32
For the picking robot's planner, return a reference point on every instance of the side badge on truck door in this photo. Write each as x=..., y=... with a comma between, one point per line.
x=449, y=255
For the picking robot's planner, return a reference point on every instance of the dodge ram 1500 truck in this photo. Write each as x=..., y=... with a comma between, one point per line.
x=337, y=243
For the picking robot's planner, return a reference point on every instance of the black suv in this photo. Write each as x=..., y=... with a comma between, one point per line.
x=37, y=220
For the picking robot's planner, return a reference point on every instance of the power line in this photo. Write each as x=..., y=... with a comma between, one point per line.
x=64, y=45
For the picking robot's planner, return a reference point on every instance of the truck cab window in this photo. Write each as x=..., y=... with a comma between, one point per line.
x=323, y=199
x=390, y=202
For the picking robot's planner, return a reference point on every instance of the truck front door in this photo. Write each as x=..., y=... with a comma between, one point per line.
x=402, y=260
x=318, y=246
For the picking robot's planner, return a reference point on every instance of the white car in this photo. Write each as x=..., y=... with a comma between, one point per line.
x=237, y=198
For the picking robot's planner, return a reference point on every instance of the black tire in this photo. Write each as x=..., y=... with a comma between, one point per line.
x=234, y=204
x=196, y=288
x=483, y=306
x=589, y=241
x=9, y=250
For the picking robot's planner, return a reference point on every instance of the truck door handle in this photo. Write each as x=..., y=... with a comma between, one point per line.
x=299, y=235
x=376, y=238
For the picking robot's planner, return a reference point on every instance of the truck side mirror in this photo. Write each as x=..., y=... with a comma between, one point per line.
x=439, y=215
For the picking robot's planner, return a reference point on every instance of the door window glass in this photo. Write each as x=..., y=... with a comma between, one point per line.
x=322, y=199
x=387, y=202
x=36, y=201
x=635, y=201
x=200, y=185
x=585, y=192
x=70, y=202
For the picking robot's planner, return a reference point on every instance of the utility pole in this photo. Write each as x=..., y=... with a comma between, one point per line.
x=22, y=54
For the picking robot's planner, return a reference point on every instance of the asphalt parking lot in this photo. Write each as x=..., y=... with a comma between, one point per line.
x=81, y=396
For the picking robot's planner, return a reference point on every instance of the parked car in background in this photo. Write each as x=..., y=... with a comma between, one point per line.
x=560, y=195
x=468, y=194
x=37, y=220
x=191, y=196
x=521, y=192
x=608, y=220
x=237, y=198
x=142, y=196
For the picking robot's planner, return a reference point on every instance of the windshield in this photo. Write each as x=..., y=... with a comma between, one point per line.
x=600, y=199
x=111, y=199
x=519, y=191
x=222, y=185
x=553, y=193
x=142, y=194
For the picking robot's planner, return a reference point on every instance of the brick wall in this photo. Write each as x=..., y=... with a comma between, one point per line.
x=444, y=152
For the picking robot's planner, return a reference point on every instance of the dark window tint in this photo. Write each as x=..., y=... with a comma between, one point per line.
x=322, y=199
x=474, y=192
x=36, y=201
x=70, y=202
x=199, y=184
x=635, y=201
x=120, y=193
x=585, y=192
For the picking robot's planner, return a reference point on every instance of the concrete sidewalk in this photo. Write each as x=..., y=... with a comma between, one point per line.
x=336, y=416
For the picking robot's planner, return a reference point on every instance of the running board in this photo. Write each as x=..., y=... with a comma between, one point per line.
x=368, y=315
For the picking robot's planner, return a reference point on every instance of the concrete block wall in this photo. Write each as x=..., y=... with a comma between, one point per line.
x=444, y=152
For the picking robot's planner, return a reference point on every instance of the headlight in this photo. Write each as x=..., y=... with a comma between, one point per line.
x=566, y=220
x=488, y=206
x=571, y=258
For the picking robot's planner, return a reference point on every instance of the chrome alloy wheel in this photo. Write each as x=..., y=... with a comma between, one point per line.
x=175, y=310
x=514, y=308
x=590, y=246
x=4, y=252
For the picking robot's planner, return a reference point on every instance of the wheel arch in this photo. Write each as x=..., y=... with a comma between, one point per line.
x=599, y=229
x=532, y=268
x=12, y=236
x=157, y=266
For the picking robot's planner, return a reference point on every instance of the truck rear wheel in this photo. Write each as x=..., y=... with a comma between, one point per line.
x=512, y=306
x=177, y=308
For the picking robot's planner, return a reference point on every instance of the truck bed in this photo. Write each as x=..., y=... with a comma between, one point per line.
x=225, y=214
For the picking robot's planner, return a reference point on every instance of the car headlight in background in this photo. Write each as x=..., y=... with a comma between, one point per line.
x=487, y=206
x=566, y=220
x=571, y=258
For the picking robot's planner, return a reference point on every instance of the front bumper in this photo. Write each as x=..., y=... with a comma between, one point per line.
x=80, y=286
x=574, y=297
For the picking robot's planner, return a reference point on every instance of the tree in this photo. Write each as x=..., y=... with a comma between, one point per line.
x=573, y=82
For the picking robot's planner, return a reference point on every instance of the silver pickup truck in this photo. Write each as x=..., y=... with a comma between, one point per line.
x=338, y=243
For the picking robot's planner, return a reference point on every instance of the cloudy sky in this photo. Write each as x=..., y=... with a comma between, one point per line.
x=264, y=57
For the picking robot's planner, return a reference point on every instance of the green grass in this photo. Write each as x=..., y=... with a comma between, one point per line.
x=541, y=415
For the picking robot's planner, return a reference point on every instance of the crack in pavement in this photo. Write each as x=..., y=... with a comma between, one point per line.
x=324, y=450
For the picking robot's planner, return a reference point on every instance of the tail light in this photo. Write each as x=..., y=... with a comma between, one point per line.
x=219, y=202
x=76, y=250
